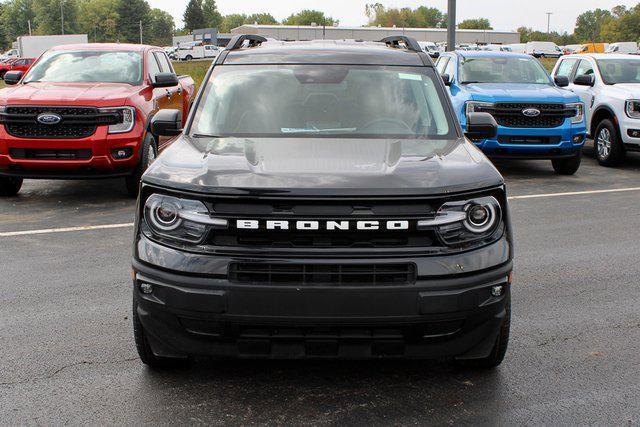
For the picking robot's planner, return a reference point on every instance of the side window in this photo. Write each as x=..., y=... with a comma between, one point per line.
x=566, y=67
x=584, y=67
x=153, y=66
x=442, y=64
x=165, y=65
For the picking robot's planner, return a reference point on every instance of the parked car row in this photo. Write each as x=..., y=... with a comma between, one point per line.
x=15, y=64
x=84, y=111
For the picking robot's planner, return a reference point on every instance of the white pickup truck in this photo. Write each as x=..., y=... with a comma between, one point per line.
x=609, y=86
x=196, y=51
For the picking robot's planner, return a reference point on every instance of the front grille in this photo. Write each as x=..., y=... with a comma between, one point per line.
x=322, y=274
x=511, y=115
x=530, y=140
x=37, y=154
x=75, y=123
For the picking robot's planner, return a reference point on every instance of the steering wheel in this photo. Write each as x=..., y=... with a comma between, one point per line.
x=385, y=121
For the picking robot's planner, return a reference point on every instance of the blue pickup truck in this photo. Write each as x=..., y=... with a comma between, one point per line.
x=537, y=118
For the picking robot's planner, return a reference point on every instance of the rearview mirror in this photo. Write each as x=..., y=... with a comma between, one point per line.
x=13, y=77
x=561, y=81
x=584, y=80
x=481, y=126
x=167, y=123
x=446, y=79
x=165, y=80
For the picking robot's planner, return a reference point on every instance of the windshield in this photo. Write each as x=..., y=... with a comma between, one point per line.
x=87, y=66
x=619, y=70
x=502, y=69
x=323, y=100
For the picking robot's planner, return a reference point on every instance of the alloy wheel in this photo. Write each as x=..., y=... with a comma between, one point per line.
x=603, y=143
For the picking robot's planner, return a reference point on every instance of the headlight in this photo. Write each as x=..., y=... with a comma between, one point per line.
x=476, y=106
x=632, y=107
x=466, y=221
x=179, y=219
x=126, y=118
x=579, y=112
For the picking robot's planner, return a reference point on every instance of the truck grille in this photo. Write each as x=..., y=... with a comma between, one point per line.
x=37, y=154
x=75, y=123
x=511, y=115
x=322, y=274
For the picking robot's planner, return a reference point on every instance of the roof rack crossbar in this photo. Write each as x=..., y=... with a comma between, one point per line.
x=409, y=42
x=236, y=42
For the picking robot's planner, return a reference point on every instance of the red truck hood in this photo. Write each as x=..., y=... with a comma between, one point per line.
x=92, y=94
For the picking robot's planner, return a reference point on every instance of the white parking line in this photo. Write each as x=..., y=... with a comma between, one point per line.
x=64, y=229
x=130, y=224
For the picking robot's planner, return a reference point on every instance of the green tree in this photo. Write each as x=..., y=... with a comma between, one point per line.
x=623, y=26
x=48, y=16
x=99, y=19
x=161, y=28
x=308, y=17
x=229, y=22
x=590, y=23
x=194, y=15
x=475, y=24
x=261, y=19
x=421, y=17
x=212, y=17
x=132, y=13
x=15, y=19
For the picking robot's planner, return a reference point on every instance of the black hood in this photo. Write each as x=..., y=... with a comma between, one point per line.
x=322, y=166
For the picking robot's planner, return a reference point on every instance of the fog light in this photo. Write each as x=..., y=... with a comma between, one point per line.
x=121, y=153
x=634, y=133
x=496, y=291
x=146, y=288
x=577, y=139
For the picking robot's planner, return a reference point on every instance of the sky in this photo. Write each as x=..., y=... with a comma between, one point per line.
x=503, y=14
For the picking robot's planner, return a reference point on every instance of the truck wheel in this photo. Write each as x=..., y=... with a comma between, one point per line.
x=567, y=166
x=10, y=186
x=147, y=157
x=499, y=349
x=144, y=349
x=188, y=58
x=2, y=73
x=607, y=144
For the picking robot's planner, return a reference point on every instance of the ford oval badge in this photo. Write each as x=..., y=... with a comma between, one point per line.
x=48, y=118
x=531, y=112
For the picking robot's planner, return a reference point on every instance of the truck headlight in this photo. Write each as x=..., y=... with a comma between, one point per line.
x=179, y=219
x=126, y=118
x=578, y=117
x=476, y=107
x=632, y=108
x=466, y=220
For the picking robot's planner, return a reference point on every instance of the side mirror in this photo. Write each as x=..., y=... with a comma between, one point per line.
x=165, y=80
x=561, y=81
x=446, y=79
x=434, y=54
x=167, y=123
x=481, y=126
x=13, y=77
x=584, y=80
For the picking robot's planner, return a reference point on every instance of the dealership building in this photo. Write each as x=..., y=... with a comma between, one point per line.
x=314, y=32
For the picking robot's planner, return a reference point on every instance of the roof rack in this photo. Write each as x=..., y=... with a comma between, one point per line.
x=236, y=42
x=409, y=42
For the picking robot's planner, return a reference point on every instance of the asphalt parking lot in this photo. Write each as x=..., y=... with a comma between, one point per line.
x=67, y=353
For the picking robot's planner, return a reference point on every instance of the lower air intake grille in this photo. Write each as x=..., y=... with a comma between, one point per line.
x=36, y=154
x=322, y=274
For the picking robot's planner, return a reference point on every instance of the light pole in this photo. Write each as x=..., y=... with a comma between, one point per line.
x=549, y=22
x=451, y=25
x=62, y=17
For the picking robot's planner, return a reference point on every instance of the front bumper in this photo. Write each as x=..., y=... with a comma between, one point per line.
x=439, y=316
x=101, y=163
x=555, y=142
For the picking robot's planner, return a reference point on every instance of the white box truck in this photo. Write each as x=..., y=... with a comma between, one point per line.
x=34, y=46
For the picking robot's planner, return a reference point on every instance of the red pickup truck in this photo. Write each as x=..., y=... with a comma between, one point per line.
x=16, y=64
x=84, y=111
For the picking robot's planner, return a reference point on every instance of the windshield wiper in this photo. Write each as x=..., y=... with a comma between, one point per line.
x=466, y=82
x=316, y=130
x=203, y=135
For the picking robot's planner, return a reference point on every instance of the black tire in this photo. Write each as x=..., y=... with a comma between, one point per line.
x=188, y=58
x=144, y=349
x=2, y=73
x=499, y=350
x=10, y=186
x=149, y=153
x=567, y=166
x=608, y=146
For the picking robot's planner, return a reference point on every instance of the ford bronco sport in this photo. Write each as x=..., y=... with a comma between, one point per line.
x=322, y=202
